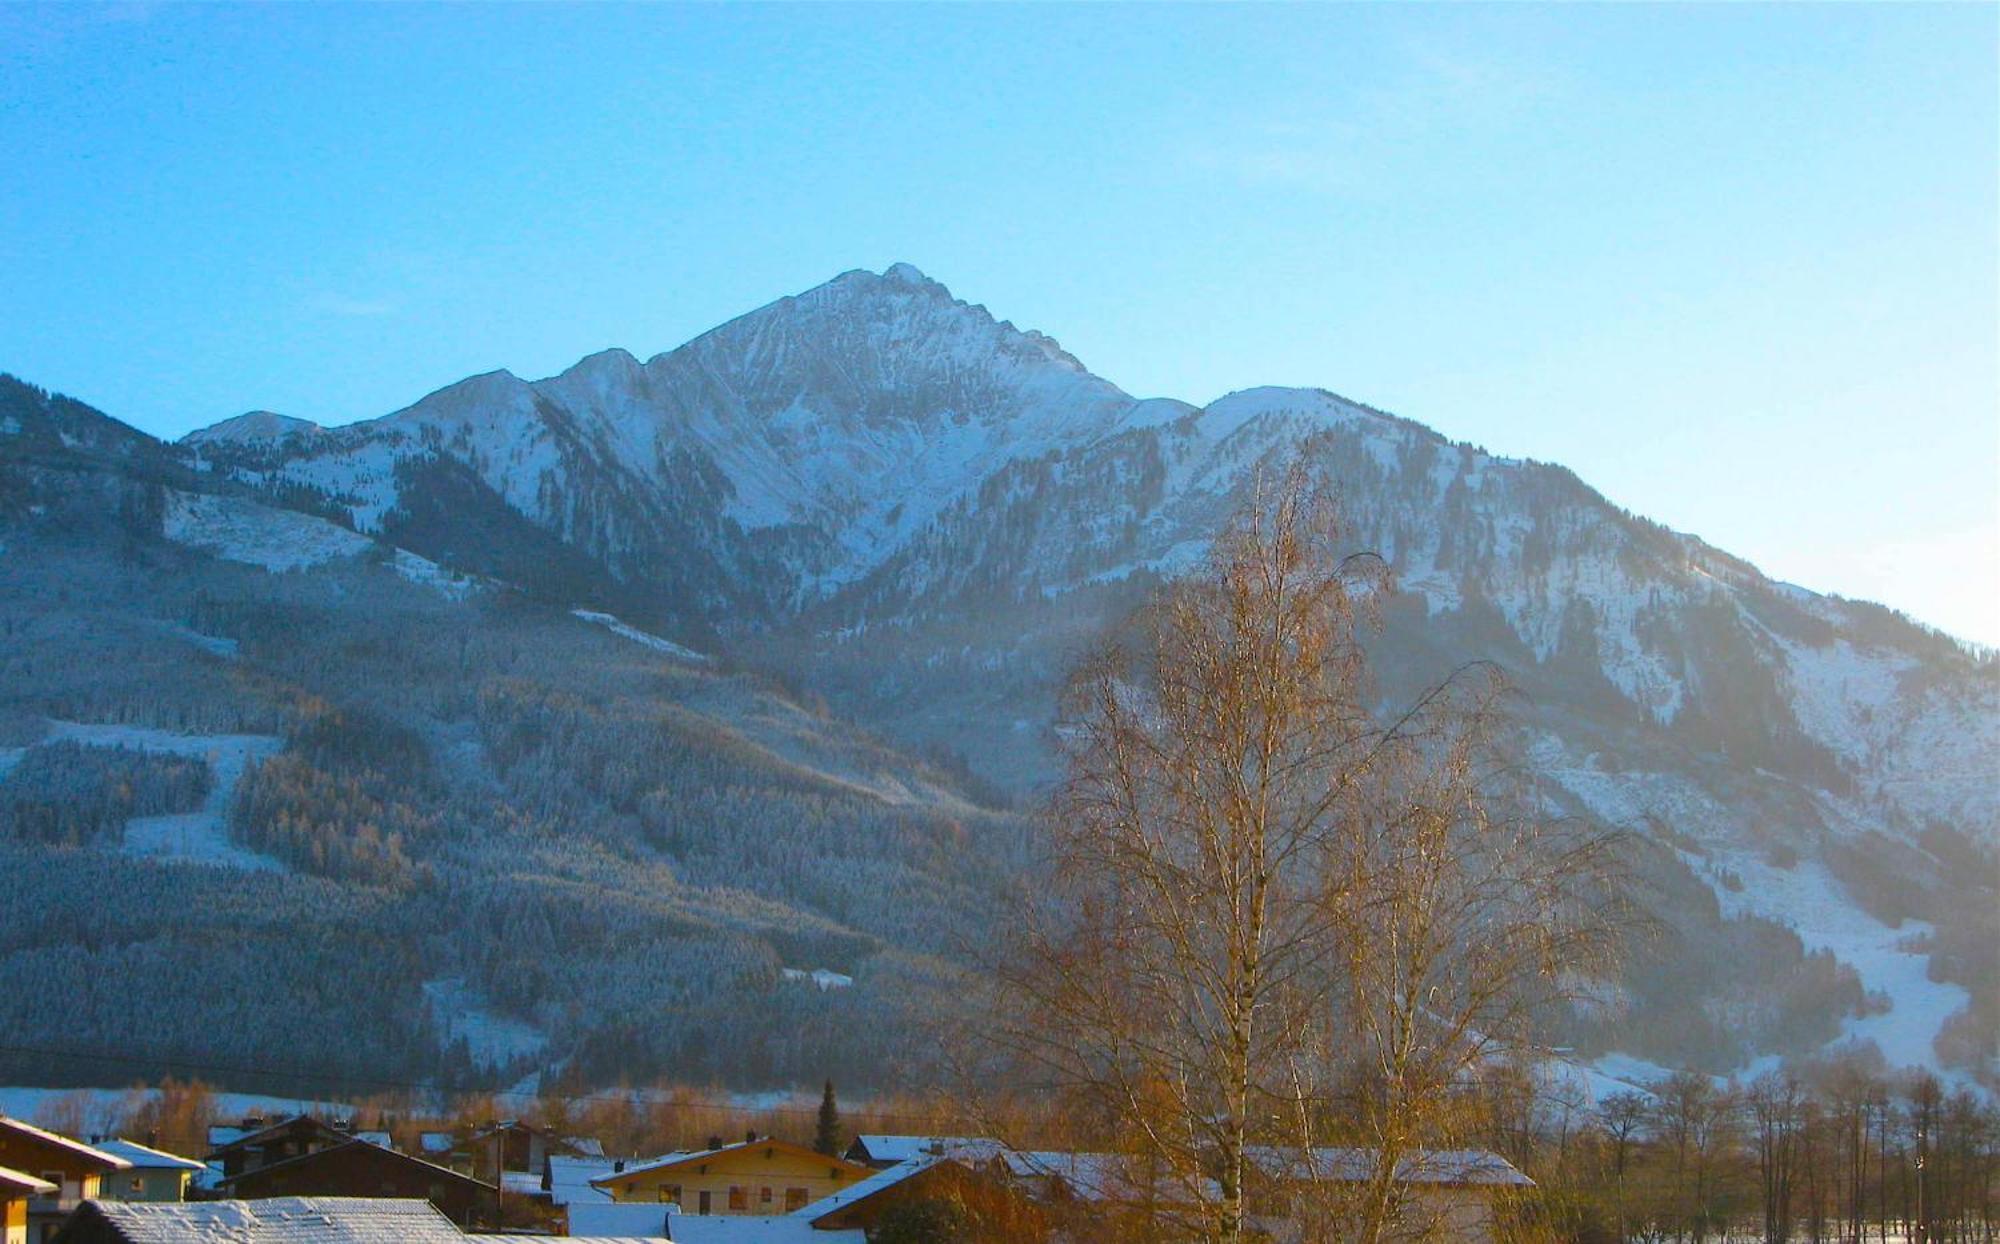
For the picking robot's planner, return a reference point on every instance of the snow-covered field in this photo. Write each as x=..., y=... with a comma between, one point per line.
x=283, y=540
x=104, y=1108
x=492, y=1039
x=1813, y=904
x=637, y=636
x=198, y=835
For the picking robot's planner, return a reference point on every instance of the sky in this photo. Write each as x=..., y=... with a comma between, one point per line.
x=1737, y=266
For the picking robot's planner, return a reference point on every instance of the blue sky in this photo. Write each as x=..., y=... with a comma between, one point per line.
x=1735, y=265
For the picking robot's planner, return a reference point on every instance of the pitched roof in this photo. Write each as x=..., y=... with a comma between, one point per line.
x=852, y=1195
x=278, y=1220
x=702, y=1155
x=569, y=1179
x=145, y=1157
x=15, y=1183
x=904, y=1148
x=317, y=1155
x=282, y=1125
x=74, y=1148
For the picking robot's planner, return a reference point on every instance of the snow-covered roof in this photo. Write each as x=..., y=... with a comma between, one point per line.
x=236, y=1135
x=381, y=1140
x=15, y=1183
x=277, y=1220
x=905, y=1148
x=521, y=1183
x=75, y=1148
x=588, y=1146
x=436, y=1142
x=1433, y=1166
x=624, y=1218
x=145, y=1157
x=569, y=1179
x=887, y=1177
x=695, y=1155
x=756, y=1229
x=390, y=1155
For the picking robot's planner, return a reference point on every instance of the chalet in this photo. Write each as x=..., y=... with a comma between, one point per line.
x=843, y=1217
x=356, y=1168
x=753, y=1177
x=861, y=1207
x=155, y=1174
x=1443, y=1194
x=17, y=1188
x=249, y=1147
x=76, y=1170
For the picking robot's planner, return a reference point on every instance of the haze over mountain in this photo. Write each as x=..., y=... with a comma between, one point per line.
x=880, y=496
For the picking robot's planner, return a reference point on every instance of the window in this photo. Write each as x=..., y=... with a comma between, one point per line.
x=764, y=1195
x=739, y=1198
x=795, y=1198
x=138, y=1184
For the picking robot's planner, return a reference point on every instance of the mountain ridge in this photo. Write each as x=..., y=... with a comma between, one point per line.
x=883, y=493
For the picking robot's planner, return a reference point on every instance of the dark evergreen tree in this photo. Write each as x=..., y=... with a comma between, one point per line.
x=826, y=1139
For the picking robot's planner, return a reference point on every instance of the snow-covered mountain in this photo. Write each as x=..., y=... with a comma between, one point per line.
x=919, y=512
x=256, y=427
x=875, y=452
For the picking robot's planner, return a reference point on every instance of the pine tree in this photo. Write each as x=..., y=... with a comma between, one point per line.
x=827, y=1138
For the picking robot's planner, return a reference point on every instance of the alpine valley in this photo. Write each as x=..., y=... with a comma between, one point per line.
x=687, y=716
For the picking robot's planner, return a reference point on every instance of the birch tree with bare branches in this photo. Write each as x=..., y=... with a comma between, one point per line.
x=1284, y=930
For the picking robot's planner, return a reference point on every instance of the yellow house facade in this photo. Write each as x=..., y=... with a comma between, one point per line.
x=751, y=1177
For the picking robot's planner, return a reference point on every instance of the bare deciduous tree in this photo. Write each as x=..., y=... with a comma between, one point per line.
x=1280, y=920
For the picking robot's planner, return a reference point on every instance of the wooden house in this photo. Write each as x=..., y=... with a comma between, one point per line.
x=246, y=1149
x=754, y=1176
x=17, y=1188
x=1446, y=1195
x=75, y=1169
x=154, y=1175
x=359, y=1169
x=862, y=1206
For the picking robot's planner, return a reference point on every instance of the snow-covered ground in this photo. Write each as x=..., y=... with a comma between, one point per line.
x=104, y=1108
x=492, y=1039
x=1813, y=904
x=1805, y=898
x=823, y=978
x=637, y=636
x=198, y=835
x=281, y=540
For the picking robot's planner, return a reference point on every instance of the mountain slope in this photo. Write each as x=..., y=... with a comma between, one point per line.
x=891, y=499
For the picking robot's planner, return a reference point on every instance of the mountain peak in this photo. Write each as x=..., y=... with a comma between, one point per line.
x=252, y=427
x=905, y=274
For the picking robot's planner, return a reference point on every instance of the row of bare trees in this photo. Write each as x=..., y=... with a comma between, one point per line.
x=1833, y=1152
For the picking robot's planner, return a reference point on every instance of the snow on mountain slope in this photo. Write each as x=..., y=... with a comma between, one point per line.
x=257, y=427
x=201, y=835
x=922, y=509
x=239, y=530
